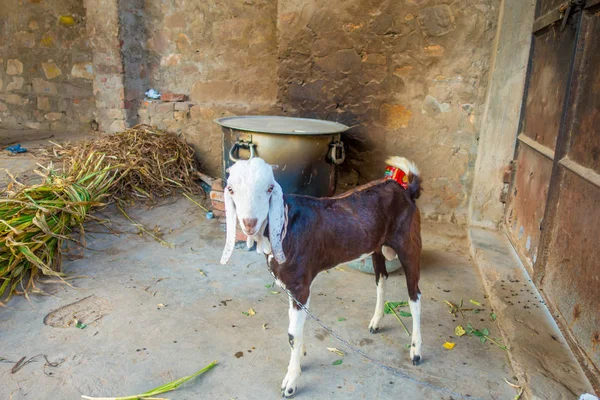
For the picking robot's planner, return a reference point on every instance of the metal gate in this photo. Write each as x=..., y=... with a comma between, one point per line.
x=553, y=210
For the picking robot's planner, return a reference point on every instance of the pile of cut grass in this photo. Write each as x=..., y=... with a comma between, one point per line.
x=142, y=163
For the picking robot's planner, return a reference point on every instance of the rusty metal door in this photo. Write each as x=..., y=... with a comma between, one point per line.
x=553, y=210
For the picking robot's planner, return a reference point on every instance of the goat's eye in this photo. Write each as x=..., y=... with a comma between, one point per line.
x=229, y=189
x=270, y=189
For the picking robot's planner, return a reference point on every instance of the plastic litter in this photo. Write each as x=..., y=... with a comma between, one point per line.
x=153, y=94
x=17, y=148
x=210, y=215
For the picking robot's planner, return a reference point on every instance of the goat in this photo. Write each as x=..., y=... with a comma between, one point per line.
x=303, y=236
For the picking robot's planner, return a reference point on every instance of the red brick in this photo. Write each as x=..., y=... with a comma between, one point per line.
x=218, y=214
x=218, y=185
x=218, y=205
x=169, y=96
x=216, y=195
x=239, y=236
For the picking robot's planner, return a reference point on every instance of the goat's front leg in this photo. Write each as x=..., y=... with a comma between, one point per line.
x=296, y=341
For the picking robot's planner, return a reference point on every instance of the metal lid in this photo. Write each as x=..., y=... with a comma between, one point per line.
x=281, y=125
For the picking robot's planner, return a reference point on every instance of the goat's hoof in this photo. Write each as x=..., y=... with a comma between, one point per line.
x=288, y=393
x=373, y=330
x=416, y=360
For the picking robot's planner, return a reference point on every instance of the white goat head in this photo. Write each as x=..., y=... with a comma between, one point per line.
x=254, y=198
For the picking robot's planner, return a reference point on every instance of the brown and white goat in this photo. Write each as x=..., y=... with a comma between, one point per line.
x=303, y=235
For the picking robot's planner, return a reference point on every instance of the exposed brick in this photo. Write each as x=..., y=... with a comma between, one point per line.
x=239, y=236
x=217, y=185
x=217, y=205
x=169, y=96
x=217, y=195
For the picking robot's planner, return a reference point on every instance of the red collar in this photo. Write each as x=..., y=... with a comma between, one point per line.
x=396, y=174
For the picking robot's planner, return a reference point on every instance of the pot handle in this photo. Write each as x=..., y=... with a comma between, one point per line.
x=243, y=145
x=338, y=152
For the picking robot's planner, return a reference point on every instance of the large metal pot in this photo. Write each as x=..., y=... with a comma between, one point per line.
x=306, y=151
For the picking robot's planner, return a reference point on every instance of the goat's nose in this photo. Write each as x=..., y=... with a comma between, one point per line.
x=250, y=223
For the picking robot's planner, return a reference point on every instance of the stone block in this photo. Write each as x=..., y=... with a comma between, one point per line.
x=164, y=108
x=117, y=126
x=43, y=103
x=51, y=70
x=183, y=106
x=16, y=84
x=14, y=67
x=200, y=112
x=83, y=70
x=180, y=115
x=436, y=21
x=33, y=125
x=170, y=60
x=42, y=86
x=53, y=116
x=13, y=99
x=3, y=107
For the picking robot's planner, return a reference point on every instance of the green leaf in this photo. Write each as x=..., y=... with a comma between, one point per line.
x=475, y=302
x=404, y=314
x=493, y=316
x=246, y=313
x=337, y=362
x=394, y=304
x=477, y=333
x=268, y=285
x=485, y=332
x=407, y=346
x=80, y=325
x=482, y=339
x=341, y=319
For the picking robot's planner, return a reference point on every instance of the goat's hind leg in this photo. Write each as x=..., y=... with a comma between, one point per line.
x=381, y=276
x=411, y=263
x=296, y=341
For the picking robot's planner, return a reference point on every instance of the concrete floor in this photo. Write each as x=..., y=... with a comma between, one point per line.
x=139, y=345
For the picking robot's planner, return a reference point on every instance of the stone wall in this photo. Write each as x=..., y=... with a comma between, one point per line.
x=222, y=55
x=45, y=66
x=410, y=76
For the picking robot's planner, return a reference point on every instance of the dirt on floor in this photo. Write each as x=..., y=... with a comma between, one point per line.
x=159, y=313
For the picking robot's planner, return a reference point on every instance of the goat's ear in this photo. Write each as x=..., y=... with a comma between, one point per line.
x=231, y=219
x=276, y=221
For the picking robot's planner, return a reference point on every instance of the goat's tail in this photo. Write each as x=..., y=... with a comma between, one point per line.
x=411, y=171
